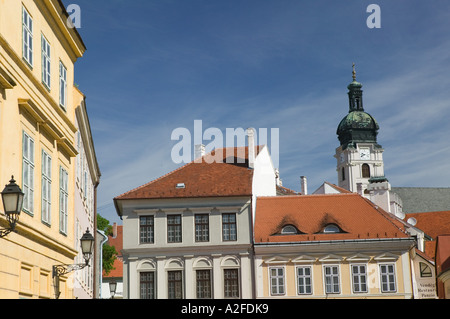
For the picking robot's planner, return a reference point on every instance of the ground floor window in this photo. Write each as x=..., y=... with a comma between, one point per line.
x=304, y=280
x=203, y=284
x=147, y=285
x=331, y=274
x=359, y=277
x=175, y=284
x=277, y=281
x=231, y=283
x=387, y=273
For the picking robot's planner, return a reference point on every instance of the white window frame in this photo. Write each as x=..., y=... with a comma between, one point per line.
x=325, y=276
x=28, y=173
x=359, y=276
x=63, y=199
x=229, y=235
x=174, y=235
x=386, y=276
x=62, y=85
x=310, y=276
x=277, y=282
x=46, y=62
x=27, y=36
x=46, y=188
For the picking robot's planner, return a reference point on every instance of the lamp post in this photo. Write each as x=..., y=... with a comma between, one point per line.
x=112, y=288
x=12, y=197
x=87, y=244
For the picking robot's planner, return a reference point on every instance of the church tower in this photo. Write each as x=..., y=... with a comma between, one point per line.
x=359, y=156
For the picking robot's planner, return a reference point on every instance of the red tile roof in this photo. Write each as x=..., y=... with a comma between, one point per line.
x=223, y=177
x=432, y=223
x=117, y=242
x=356, y=216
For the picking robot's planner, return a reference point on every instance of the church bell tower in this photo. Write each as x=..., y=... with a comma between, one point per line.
x=359, y=156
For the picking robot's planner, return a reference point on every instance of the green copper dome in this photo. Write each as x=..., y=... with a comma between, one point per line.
x=357, y=120
x=357, y=126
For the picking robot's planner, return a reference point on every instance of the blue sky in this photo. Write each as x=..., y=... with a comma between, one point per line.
x=152, y=66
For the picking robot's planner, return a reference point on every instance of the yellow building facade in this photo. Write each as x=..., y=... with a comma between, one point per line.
x=37, y=144
x=348, y=275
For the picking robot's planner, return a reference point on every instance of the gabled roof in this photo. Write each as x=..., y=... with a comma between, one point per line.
x=207, y=178
x=357, y=217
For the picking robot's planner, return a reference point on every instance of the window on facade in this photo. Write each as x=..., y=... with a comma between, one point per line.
x=175, y=284
x=277, y=281
x=359, y=277
x=203, y=284
x=147, y=285
x=146, y=230
x=62, y=85
x=289, y=230
x=331, y=274
x=304, y=280
x=27, y=37
x=331, y=229
x=365, y=170
x=63, y=200
x=46, y=187
x=231, y=283
x=343, y=174
x=425, y=270
x=28, y=172
x=387, y=273
x=174, y=228
x=202, y=228
x=229, y=231
x=45, y=62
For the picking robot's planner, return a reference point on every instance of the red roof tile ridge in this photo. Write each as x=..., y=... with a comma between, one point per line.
x=388, y=216
x=257, y=147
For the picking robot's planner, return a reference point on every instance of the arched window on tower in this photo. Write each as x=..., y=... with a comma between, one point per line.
x=365, y=170
x=343, y=174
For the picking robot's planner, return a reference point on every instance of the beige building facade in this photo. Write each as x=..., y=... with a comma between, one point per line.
x=37, y=144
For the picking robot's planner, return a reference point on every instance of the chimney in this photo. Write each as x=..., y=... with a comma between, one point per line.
x=359, y=188
x=251, y=147
x=199, y=151
x=114, y=230
x=304, y=185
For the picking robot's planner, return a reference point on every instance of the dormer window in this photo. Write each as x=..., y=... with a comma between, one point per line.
x=331, y=228
x=289, y=230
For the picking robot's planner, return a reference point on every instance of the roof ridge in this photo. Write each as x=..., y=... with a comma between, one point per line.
x=388, y=216
x=195, y=161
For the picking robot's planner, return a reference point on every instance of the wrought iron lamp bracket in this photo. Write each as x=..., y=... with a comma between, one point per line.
x=59, y=270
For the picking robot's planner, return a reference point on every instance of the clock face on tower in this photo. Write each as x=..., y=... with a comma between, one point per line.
x=364, y=153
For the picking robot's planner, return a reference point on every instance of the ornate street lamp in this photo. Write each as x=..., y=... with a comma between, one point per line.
x=12, y=197
x=112, y=288
x=87, y=245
